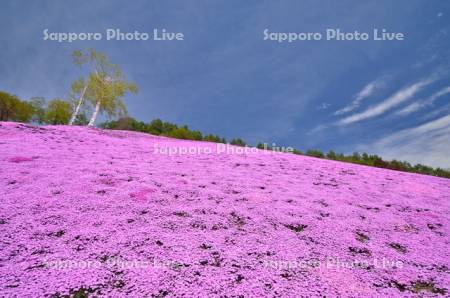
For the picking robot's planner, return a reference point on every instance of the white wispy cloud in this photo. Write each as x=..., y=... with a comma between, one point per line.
x=428, y=102
x=323, y=106
x=392, y=101
x=367, y=91
x=427, y=144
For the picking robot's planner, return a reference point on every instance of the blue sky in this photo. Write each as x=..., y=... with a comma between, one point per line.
x=385, y=97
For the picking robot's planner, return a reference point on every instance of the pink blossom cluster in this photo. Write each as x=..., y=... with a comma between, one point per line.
x=88, y=212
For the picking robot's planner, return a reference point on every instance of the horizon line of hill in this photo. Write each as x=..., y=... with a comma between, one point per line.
x=162, y=128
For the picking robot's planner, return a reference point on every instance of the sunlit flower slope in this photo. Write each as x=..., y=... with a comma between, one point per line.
x=91, y=212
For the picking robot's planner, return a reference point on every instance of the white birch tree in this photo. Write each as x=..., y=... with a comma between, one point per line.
x=78, y=87
x=105, y=87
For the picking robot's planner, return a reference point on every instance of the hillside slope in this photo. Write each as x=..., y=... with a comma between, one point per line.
x=95, y=211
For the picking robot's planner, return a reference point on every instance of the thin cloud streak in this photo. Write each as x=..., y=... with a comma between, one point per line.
x=420, y=105
x=427, y=143
x=396, y=99
x=367, y=91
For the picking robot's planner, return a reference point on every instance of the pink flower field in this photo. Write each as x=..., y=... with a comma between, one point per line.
x=96, y=213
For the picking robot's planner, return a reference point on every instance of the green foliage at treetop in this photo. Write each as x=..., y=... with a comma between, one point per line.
x=14, y=109
x=158, y=127
x=58, y=112
x=37, y=110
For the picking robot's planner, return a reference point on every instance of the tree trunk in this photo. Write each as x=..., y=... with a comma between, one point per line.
x=94, y=116
x=80, y=102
